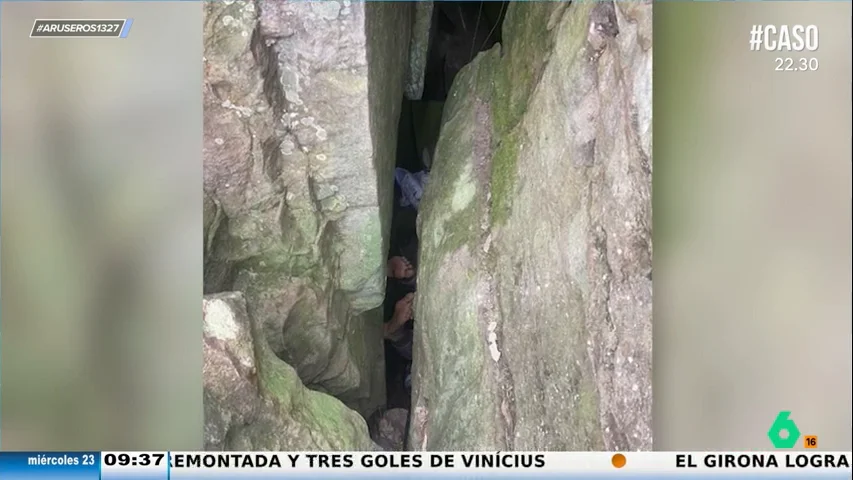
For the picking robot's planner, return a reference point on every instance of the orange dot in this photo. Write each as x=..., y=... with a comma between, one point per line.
x=619, y=460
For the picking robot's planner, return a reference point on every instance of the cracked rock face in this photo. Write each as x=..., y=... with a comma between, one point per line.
x=534, y=306
x=301, y=104
x=253, y=401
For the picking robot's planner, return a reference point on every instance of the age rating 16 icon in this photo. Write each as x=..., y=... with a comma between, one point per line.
x=784, y=433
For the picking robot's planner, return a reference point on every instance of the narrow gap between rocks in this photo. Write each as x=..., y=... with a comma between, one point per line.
x=460, y=30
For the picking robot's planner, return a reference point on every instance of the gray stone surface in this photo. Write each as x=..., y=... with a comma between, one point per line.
x=534, y=306
x=301, y=104
x=422, y=29
x=253, y=401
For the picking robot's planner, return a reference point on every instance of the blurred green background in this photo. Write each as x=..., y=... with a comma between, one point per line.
x=101, y=212
x=101, y=221
x=752, y=218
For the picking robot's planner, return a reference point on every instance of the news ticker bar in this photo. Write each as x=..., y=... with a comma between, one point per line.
x=290, y=465
x=79, y=28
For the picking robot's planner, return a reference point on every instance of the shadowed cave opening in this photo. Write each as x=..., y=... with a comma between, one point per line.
x=459, y=31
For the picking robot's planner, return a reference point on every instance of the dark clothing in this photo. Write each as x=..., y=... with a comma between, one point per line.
x=395, y=378
x=396, y=290
x=404, y=233
x=403, y=340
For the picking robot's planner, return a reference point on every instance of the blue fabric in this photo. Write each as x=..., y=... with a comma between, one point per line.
x=411, y=185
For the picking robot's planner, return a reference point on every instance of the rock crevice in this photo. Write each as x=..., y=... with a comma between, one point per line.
x=533, y=311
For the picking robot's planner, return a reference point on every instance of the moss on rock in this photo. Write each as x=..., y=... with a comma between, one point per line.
x=256, y=401
x=521, y=337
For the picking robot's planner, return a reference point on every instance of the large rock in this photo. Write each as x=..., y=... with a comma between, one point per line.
x=254, y=401
x=534, y=306
x=422, y=29
x=301, y=104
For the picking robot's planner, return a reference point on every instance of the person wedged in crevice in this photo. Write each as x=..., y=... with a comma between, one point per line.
x=401, y=284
